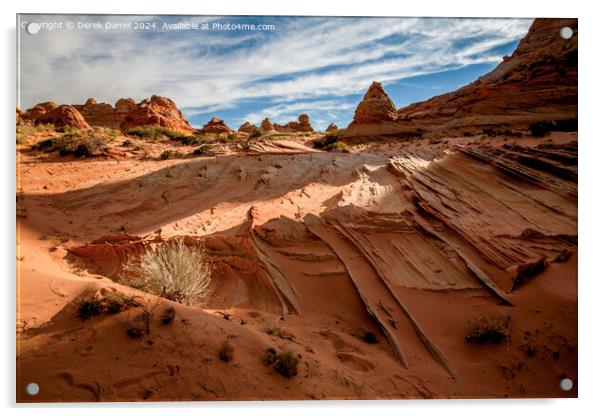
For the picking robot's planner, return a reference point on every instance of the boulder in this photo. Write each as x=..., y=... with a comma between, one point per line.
x=331, y=127
x=62, y=116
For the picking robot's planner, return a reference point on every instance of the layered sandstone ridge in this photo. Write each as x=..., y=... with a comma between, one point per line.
x=537, y=83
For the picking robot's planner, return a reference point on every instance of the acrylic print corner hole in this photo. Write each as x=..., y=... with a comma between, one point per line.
x=296, y=208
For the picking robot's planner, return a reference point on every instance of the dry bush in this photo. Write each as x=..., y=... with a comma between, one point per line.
x=285, y=362
x=226, y=352
x=168, y=315
x=112, y=303
x=174, y=271
x=488, y=329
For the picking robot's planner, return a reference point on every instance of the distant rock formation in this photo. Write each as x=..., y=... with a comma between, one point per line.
x=331, y=127
x=159, y=111
x=303, y=125
x=126, y=114
x=537, y=83
x=266, y=125
x=51, y=113
x=38, y=111
x=216, y=126
x=62, y=116
x=101, y=115
x=247, y=127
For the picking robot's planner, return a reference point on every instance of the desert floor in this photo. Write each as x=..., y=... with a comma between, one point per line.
x=310, y=251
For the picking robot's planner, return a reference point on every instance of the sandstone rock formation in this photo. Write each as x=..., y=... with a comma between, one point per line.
x=331, y=127
x=266, y=125
x=374, y=115
x=247, y=127
x=216, y=126
x=537, y=83
x=64, y=115
x=99, y=114
x=38, y=111
x=303, y=125
x=159, y=111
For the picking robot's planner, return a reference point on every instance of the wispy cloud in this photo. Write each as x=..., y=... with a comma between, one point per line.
x=303, y=65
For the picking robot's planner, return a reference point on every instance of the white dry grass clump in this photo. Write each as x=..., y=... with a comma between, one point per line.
x=174, y=271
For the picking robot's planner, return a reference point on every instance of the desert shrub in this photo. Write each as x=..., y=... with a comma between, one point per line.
x=255, y=133
x=24, y=131
x=278, y=332
x=134, y=332
x=113, y=303
x=203, y=150
x=542, y=128
x=192, y=140
x=174, y=271
x=370, y=338
x=67, y=129
x=337, y=146
x=226, y=352
x=127, y=143
x=74, y=143
x=170, y=154
x=285, y=362
x=232, y=136
x=154, y=133
x=168, y=315
x=138, y=147
x=326, y=140
x=488, y=329
x=87, y=308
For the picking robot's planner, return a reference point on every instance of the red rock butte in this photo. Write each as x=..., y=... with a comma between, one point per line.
x=537, y=83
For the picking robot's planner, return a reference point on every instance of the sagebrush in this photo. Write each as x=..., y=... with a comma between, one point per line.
x=172, y=270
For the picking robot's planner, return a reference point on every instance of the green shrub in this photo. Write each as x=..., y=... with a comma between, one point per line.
x=74, y=143
x=203, y=150
x=113, y=303
x=255, y=133
x=154, y=133
x=127, y=143
x=337, y=146
x=326, y=140
x=170, y=154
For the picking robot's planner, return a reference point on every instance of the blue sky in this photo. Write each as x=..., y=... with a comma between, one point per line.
x=320, y=66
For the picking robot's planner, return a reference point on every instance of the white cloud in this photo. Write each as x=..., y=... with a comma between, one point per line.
x=305, y=59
